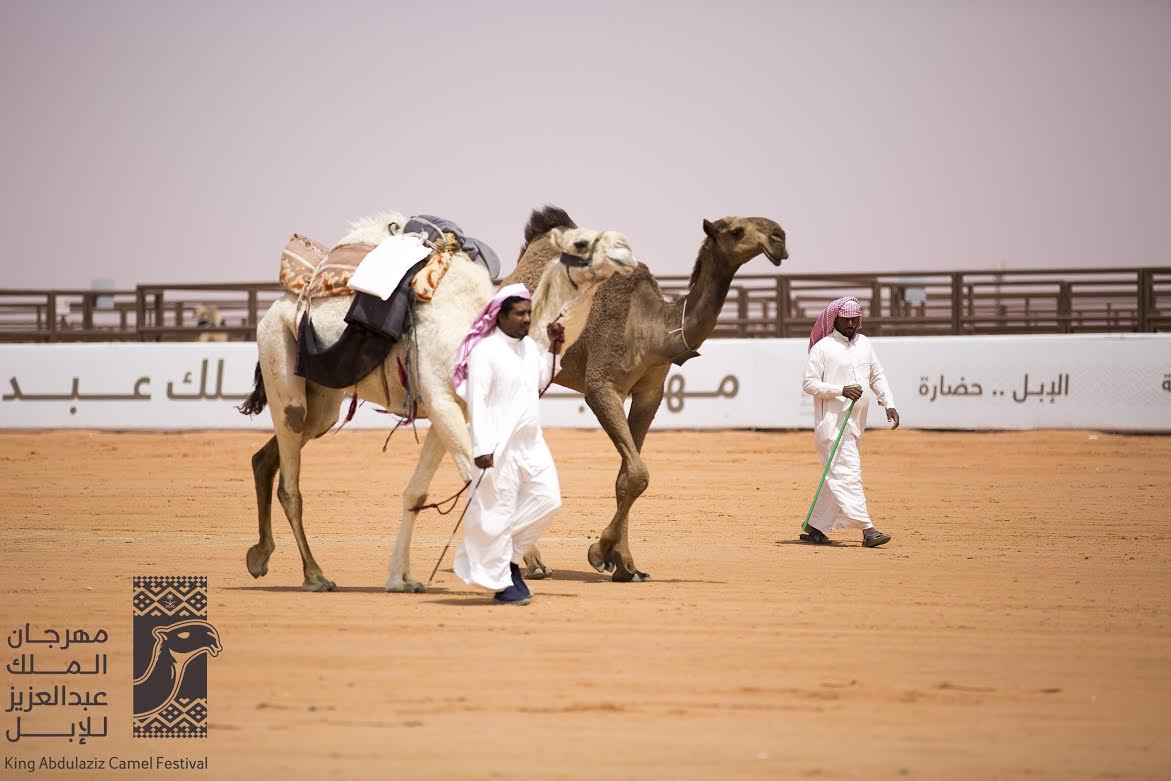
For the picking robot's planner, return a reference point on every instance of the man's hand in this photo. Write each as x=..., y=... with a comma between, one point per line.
x=892, y=416
x=852, y=392
x=484, y=461
x=556, y=333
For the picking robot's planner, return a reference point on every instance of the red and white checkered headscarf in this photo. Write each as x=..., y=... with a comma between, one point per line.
x=846, y=306
x=484, y=325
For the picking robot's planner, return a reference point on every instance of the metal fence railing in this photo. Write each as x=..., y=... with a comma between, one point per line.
x=774, y=305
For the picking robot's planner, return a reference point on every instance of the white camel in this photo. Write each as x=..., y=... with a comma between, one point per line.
x=303, y=410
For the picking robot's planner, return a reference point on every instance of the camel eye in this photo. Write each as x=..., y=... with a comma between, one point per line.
x=737, y=233
x=580, y=244
x=184, y=635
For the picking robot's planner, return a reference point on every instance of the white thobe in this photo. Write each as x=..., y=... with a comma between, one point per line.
x=834, y=363
x=517, y=497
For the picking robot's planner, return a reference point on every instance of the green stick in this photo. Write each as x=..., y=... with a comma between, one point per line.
x=828, y=461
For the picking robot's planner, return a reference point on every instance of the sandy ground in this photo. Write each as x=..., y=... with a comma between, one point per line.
x=1018, y=626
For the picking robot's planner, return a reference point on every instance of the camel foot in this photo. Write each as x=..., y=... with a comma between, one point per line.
x=599, y=559
x=258, y=560
x=608, y=559
x=404, y=585
x=535, y=568
x=624, y=575
x=318, y=582
x=625, y=571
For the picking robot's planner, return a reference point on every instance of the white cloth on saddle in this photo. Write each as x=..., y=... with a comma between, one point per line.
x=381, y=271
x=517, y=497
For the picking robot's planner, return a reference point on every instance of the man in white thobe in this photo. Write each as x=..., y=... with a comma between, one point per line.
x=841, y=362
x=518, y=492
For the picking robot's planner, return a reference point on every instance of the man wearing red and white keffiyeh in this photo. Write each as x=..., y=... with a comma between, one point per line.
x=841, y=360
x=499, y=372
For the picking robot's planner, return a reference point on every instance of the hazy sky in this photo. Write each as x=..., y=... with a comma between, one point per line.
x=185, y=141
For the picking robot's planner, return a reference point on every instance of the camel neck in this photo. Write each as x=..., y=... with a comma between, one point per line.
x=558, y=296
x=707, y=295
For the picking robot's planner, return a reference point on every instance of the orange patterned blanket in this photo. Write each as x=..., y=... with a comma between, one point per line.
x=309, y=270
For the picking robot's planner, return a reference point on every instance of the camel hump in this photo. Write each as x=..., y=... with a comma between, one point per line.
x=624, y=286
x=541, y=221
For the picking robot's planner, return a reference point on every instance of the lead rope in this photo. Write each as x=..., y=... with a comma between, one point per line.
x=457, y=523
x=437, y=506
x=553, y=372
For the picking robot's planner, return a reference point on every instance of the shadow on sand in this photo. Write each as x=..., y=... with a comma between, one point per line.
x=298, y=589
x=830, y=544
x=563, y=575
x=485, y=599
x=591, y=576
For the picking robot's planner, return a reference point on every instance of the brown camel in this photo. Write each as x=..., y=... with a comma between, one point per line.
x=631, y=338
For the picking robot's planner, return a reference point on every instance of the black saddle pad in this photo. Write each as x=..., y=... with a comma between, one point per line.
x=341, y=365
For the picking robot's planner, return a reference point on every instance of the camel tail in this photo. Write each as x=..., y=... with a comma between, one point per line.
x=257, y=400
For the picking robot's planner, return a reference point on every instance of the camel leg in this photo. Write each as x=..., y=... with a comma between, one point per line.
x=612, y=550
x=265, y=463
x=299, y=413
x=448, y=433
x=646, y=396
x=399, y=580
x=289, y=493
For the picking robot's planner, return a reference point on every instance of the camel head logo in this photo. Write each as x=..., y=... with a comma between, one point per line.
x=175, y=647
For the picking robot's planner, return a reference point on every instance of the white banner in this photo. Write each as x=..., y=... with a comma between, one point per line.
x=1099, y=381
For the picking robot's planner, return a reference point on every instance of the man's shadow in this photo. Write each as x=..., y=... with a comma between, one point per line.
x=593, y=576
x=830, y=544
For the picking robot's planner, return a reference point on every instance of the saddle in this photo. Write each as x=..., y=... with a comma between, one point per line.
x=373, y=326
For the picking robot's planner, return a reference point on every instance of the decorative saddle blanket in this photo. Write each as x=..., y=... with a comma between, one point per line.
x=310, y=271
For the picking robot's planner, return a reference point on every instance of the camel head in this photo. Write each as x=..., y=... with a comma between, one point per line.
x=593, y=256
x=590, y=256
x=186, y=639
x=566, y=266
x=208, y=316
x=737, y=240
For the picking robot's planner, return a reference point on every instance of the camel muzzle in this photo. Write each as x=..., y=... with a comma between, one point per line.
x=776, y=258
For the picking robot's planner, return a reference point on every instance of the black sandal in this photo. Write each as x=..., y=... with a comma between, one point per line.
x=873, y=540
x=815, y=536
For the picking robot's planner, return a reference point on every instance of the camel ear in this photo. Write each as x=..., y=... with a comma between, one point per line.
x=710, y=228
x=556, y=237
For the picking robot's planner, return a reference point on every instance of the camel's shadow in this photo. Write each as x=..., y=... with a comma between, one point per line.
x=563, y=575
x=299, y=590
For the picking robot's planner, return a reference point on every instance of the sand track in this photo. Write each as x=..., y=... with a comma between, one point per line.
x=1018, y=625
